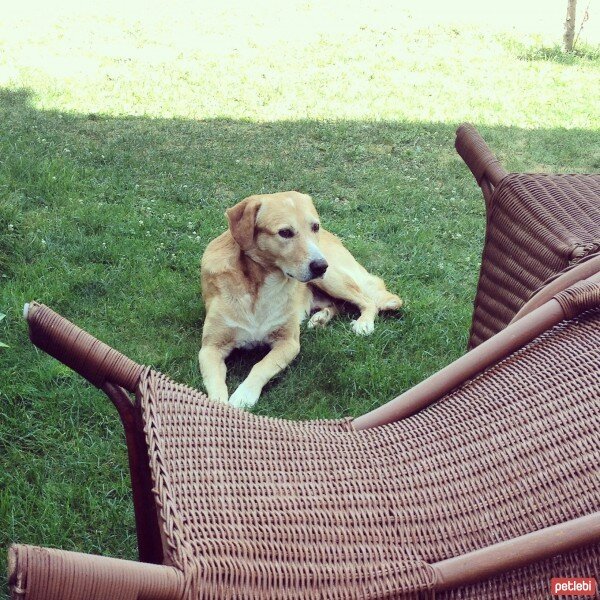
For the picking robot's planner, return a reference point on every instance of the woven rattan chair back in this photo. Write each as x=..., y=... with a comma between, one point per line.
x=538, y=225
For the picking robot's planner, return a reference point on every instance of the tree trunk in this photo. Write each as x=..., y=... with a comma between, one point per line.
x=570, y=25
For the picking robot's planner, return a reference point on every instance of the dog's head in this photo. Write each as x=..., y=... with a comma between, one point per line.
x=280, y=230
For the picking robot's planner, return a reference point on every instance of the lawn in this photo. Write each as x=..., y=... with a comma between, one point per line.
x=125, y=135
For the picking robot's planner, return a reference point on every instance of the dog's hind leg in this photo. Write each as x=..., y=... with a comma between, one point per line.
x=344, y=286
x=377, y=298
x=388, y=301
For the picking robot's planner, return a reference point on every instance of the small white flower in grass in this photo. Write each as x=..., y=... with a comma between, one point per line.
x=67, y=151
x=11, y=227
x=141, y=222
x=43, y=242
x=53, y=178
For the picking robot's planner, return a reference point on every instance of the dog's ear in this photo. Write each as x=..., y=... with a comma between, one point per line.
x=242, y=219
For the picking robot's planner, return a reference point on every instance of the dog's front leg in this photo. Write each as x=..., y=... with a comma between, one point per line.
x=283, y=351
x=214, y=371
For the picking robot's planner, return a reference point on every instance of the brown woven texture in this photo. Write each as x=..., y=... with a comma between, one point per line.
x=538, y=225
x=255, y=507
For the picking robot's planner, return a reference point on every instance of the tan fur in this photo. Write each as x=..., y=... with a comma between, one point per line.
x=258, y=287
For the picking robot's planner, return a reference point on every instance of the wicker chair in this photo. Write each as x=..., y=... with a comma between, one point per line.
x=537, y=227
x=481, y=482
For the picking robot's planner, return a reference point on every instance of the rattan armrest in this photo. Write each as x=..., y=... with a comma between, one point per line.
x=565, y=304
x=36, y=573
x=518, y=552
x=477, y=155
x=562, y=281
x=82, y=352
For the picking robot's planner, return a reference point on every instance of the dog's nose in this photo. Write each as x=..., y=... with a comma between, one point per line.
x=318, y=267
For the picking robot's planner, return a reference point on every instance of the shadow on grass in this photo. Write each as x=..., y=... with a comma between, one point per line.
x=105, y=219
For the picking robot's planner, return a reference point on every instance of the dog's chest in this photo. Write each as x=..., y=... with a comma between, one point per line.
x=257, y=316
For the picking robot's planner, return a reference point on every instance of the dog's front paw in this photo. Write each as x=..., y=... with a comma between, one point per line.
x=363, y=327
x=219, y=397
x=244, y=397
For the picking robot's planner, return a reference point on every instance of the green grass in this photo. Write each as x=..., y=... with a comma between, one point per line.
x=556, y=54
x=125, y=136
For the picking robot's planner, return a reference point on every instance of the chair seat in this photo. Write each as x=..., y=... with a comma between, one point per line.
x=253, y=505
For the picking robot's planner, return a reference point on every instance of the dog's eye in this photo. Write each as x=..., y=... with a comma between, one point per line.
x=286, y=232
x=315, y=227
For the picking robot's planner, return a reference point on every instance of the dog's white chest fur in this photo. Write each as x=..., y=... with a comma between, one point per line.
x=257, y=317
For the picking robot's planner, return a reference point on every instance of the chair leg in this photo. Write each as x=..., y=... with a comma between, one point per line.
x=150, y=548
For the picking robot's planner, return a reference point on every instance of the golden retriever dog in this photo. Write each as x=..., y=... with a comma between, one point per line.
x=273, y=267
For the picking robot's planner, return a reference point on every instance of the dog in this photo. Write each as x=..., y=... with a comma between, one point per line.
x=261, y=278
